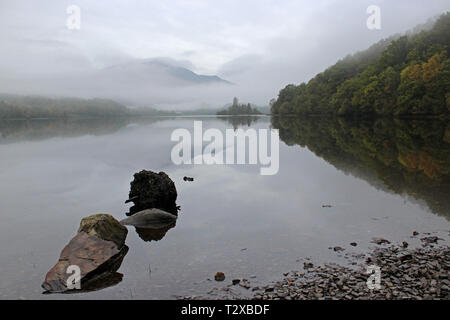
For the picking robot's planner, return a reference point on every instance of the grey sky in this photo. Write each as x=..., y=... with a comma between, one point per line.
x=260, y=45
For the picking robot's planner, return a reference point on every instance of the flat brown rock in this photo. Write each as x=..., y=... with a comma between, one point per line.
x=92, y=255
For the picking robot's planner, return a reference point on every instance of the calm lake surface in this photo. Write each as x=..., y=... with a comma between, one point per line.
x=382, y=178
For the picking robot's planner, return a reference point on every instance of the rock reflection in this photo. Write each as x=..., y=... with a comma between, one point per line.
x=150, y=234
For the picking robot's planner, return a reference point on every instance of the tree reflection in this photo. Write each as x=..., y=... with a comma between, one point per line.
x=408, y=156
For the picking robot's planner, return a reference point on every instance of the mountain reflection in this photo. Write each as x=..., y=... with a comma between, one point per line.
x=409, y=157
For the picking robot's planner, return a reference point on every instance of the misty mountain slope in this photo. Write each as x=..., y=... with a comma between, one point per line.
x=160, y=83
x=158, y=72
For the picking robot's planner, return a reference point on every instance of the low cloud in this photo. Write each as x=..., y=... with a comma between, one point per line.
x=260, y=46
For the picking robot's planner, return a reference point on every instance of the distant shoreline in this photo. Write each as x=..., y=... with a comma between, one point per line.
x=134, y=116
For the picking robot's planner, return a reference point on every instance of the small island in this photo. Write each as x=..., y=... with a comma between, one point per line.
x=237, y=109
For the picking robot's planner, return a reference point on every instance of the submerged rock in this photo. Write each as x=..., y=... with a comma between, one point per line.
x=151, y=224
x=97, y=250
x=150, y=218
x=152, y=190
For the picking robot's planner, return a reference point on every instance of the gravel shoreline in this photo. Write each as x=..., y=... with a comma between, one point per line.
x=417, y=274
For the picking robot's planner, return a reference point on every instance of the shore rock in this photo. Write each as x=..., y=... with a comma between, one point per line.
x=152, y=190
x=380, y=241
x=411, y=274
x=220, y=276
x=98, y=250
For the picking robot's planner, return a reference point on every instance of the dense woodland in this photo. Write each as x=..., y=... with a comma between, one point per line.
x=401, y=76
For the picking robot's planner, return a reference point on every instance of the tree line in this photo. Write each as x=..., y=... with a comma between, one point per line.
x=33, y=107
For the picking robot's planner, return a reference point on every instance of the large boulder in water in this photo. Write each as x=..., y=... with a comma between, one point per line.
x=98, y=250
x=151, y=190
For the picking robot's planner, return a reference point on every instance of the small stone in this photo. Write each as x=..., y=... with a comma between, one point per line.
x=235, y=281
x=354, y=244
x=244, y=285
x=219, y=276
x=432, y=239
x=380, y=241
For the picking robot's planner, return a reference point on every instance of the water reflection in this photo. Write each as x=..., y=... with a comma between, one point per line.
x=278, y=218
x=240, y=121
x=36, y=130
x=408, y=157
x=153, y=234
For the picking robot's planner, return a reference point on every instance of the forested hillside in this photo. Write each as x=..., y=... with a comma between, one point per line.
x=401, y=76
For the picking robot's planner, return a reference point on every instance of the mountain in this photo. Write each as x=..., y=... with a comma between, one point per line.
x=401, y=76
x=159, y=72
x=161, y=83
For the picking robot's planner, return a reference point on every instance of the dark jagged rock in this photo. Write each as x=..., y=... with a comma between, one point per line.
x=152, y=190
x=98, y=250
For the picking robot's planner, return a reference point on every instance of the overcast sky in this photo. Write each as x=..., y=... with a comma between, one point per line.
x=260, y=45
